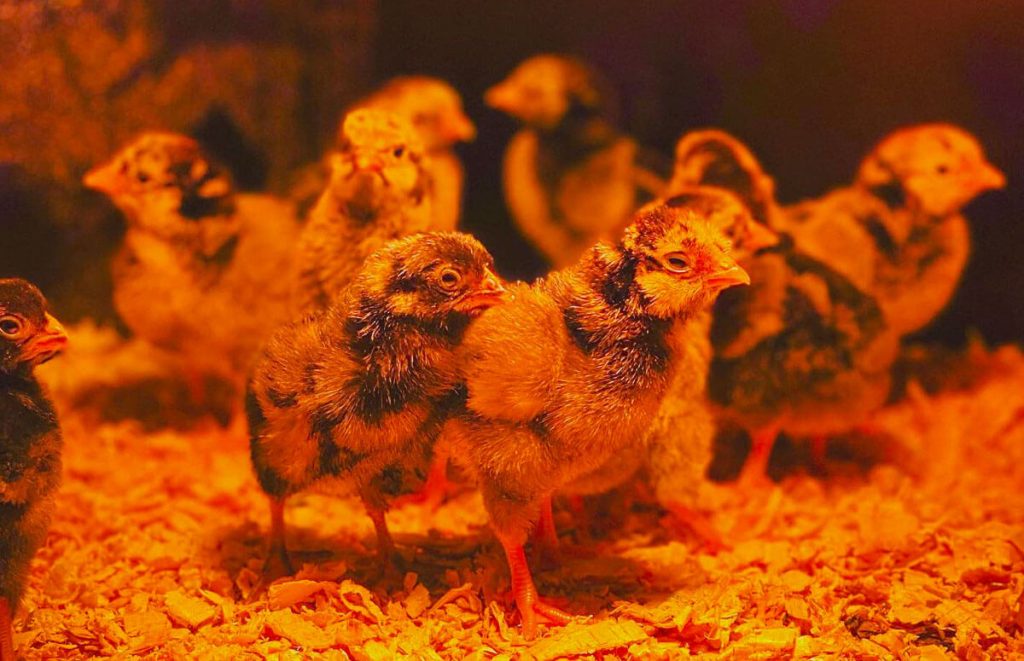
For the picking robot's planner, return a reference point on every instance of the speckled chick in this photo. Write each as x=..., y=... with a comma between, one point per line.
x=203, y=271
x=675, y=450
x=570, y=177
x=574, y=366
x=897, y=232
x=352, y=397
x=379, y=190
x=435, y=110
x=30, y=441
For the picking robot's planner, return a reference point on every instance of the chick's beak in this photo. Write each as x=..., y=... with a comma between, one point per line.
x=501, y=97
x=104, y=178
x=729, y=274
x=458, y=128
x=46, y=344
x=990, y=178
x=366, y=163
x=759, y=236
x=488, y=294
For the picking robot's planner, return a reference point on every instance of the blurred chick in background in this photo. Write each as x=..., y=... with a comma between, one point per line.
x=30, y=441
x=676, y=449
x=570, y=177
x=595, y=350
x=379, y=190
x=434, y=109
x=354, y=396
x=897, y=232
x=204, y=272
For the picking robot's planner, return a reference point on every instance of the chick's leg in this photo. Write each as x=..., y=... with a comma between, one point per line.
x=388, y=559
x=755, y=470
x=525, y=592
x=545, y=533
x=6, y=632
x=277, y=563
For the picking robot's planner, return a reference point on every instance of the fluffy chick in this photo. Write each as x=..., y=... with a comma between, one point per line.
x=203, y=272
x=353, y=396
x=570, y=177
x=897, y=232
x=30, y=441
x=379, y=190
x=676, y=448
x=575, y=365
x=434, y=109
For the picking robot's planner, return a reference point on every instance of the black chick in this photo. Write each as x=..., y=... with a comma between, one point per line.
x=354, y=395
x=30, y=441
x=574, y=367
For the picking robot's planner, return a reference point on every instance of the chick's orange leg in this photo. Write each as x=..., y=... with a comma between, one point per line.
x=435, y=489
x=545, y=532
x=6, y=632
x=387, y=555
x=525, y=592
x=755, y=470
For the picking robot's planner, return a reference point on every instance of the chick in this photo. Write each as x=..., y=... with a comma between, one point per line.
x=572, y=367
x=379, y=190
x=353, y=396
x=203, y=272
x=897, y=232
x=676, y=448
x=434, y=109
x=570, y=177
x=30, y=441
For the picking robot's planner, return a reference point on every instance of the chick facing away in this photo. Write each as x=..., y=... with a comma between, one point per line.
x=352, y=397
x=30, y=441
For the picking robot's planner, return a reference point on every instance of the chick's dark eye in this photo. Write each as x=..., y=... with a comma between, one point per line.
x=676, y=262
x=942, y=169
x=449, y=278
x=142, y=177
x=10, y=326
x=399, y=152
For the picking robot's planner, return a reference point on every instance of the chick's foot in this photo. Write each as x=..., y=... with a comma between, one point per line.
x=754, y=475
x=525, y=593
x=436, y=489
x=687, y=521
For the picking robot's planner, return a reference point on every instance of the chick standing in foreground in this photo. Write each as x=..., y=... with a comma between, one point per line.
x=203, y=272
x=675, y=450
x=897, y=232
x=30, y=441
x=434, y=109
x=573, y=367
x=354, y=396
x=570, y=177
x=379, y=190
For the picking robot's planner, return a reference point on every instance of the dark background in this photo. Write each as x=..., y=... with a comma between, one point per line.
x=810, y=85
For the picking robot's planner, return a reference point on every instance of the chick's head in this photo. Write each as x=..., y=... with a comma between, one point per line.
x=681, y=261
x=379, y=154
x=162, y=179
x=726, y=213
x=433, y=277
x=934, y=168
x=543, y=89
x=29, y=335
x=432, y=106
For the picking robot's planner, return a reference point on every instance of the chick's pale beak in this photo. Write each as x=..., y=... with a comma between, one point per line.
x=365, y=163
x=759, y=236
x=730, y=275
x=489, y=293
x=104, y=178
x=46, y=344
x=990, y=178
x=459, y=128
x=501, y=97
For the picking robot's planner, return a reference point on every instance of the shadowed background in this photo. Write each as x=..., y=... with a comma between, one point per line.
x=809, y=85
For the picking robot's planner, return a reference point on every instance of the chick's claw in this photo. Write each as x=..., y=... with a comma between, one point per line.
x=525, y=593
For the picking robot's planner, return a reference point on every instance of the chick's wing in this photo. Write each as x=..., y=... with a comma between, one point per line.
x=512, y=356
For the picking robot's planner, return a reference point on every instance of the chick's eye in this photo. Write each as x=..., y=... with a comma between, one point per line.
x=942, y=169
x=676, y=262
x=10, y=326
x=142, y=177
x=449, y=278
x=399, y=152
